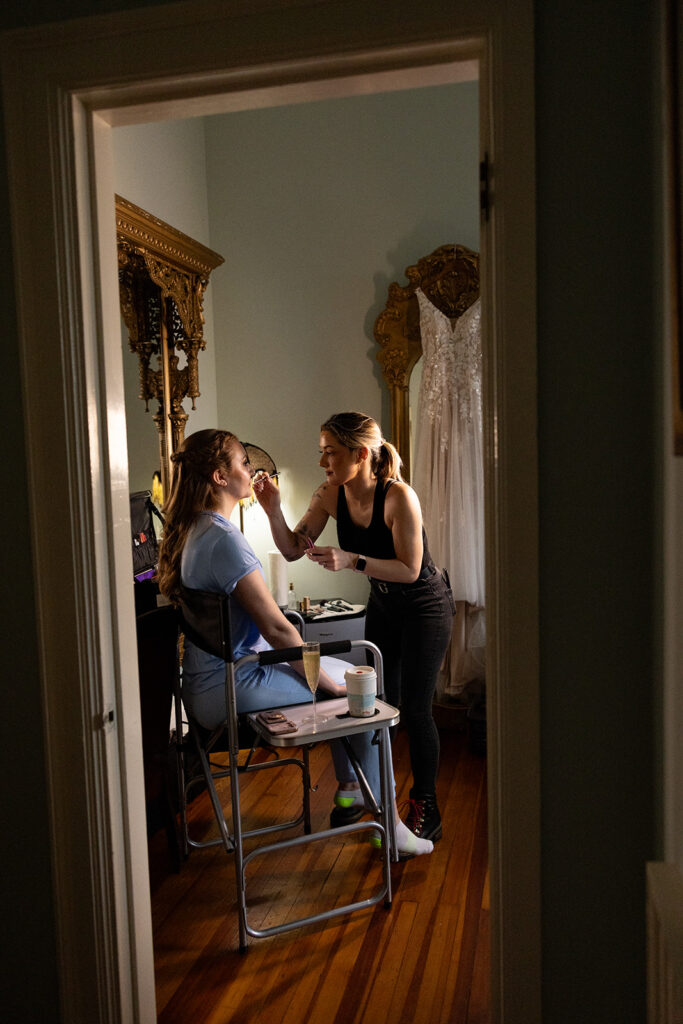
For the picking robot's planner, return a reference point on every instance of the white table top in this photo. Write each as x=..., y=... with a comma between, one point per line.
x=333, y=728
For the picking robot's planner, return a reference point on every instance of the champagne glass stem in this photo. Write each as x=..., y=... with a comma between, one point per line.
x=315, y=720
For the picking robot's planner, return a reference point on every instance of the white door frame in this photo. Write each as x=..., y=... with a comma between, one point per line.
x=64, y=89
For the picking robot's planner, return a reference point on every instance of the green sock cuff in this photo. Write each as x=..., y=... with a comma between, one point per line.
x=347, y=797
x=344, y=801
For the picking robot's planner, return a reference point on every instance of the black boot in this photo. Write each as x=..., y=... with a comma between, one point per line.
x=345, y=816
x=346, y=810
x=423, y=818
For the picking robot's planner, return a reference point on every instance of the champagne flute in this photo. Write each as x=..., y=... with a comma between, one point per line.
x=311, y=658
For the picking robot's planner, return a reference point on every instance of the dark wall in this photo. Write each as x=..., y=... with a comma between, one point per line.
x=597, y=346
x=28, y=971
x=24, y=854
x=597, y=352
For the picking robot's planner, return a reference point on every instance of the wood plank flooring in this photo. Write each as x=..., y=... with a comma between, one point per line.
x=424, y=960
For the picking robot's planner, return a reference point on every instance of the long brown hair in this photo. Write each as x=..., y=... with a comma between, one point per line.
x=356, y=430
x=192, y=491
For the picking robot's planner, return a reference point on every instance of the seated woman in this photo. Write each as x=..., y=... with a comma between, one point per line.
x=202, y=549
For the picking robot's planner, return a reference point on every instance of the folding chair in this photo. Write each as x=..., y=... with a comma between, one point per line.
x=205, y=620
x=207, y=610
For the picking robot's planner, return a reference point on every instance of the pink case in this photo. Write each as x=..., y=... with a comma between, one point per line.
x=278, y=728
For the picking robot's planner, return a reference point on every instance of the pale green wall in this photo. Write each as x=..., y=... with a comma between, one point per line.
x=161, y=167
x=317, y=208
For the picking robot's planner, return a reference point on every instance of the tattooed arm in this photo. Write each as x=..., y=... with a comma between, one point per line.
x=293, y=543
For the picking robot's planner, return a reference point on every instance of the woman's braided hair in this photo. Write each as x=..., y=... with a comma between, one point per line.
x=192, y=491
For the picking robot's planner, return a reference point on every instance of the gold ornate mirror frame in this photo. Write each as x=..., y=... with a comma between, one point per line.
x=449, y=277
x=163, y=275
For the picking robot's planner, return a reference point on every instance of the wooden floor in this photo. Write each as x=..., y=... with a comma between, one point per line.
x=424, y=960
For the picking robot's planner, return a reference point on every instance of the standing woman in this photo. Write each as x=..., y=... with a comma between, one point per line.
x=410, y=610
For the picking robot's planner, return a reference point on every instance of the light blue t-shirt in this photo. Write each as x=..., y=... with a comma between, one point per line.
x=216, y=557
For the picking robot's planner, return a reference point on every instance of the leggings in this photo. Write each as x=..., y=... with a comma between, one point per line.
x=412, y=626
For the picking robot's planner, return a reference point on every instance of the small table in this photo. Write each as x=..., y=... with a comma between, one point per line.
x=339, y=725
x=339, y=722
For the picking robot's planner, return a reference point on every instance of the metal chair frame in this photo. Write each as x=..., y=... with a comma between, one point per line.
x=214, y=636
x=204, y=746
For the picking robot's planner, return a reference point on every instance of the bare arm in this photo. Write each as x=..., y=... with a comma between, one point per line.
x=403, y=516
x=254, y=596
x=293, y=543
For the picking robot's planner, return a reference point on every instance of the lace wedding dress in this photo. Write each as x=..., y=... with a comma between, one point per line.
x=448, y=476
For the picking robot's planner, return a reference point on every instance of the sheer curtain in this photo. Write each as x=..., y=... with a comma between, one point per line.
x=449, y=477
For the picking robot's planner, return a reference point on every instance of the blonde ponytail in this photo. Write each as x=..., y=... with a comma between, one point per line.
x=389, y=462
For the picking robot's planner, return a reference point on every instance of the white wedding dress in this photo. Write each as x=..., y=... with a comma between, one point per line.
x=448, y=475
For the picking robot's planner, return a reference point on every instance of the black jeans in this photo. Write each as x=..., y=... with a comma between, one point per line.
x=412, y=627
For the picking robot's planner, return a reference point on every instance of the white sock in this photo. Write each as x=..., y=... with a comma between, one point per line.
x=348, y=798
x=409, y=844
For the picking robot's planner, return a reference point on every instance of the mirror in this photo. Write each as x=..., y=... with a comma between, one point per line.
x=163, y=275
x=449, y=277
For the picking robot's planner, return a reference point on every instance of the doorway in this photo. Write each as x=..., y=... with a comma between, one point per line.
x=95, y=478
x=357, y=162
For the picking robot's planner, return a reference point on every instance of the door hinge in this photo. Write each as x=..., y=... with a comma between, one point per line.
x=484, y=191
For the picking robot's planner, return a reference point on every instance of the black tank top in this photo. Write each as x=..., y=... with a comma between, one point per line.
x=375, y=540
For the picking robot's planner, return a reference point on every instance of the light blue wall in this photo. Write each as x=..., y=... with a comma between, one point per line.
x=317, y=208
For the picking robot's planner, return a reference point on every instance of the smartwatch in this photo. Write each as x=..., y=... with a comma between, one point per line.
x=361, y=562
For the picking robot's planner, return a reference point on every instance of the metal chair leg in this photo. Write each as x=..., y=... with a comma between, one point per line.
x=306, y=772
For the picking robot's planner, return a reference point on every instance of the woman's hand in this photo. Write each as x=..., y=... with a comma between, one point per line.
x=333, y=559
x=267, y=493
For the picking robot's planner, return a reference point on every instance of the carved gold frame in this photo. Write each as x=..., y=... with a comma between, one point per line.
x=449, y=277
x=163, y=275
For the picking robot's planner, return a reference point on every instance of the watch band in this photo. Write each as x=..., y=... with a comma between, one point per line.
x=361, y=562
